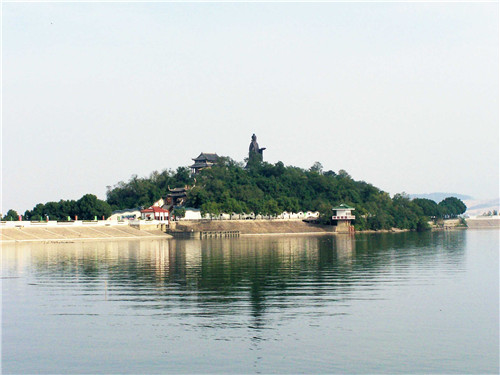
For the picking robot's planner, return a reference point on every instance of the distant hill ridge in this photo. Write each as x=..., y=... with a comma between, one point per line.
x=481, y=206
x=438, y=197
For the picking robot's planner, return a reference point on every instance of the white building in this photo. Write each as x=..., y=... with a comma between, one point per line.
x=192, y=214
x=343, y=216
x=343, y=212
x=128, y=214
x=155, y=213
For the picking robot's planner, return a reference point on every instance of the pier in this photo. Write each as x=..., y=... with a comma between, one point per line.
x=215, y=234
x=204, y=234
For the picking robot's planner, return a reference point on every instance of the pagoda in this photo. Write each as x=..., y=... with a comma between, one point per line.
x=204, y=160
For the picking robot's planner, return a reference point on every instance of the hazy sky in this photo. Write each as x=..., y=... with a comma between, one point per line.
x=402, y=95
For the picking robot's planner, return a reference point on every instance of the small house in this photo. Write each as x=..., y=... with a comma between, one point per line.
x=343, y=216
x=155, y=213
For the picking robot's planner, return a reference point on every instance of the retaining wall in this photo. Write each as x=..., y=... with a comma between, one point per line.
x=251, y=226
x=52, y=231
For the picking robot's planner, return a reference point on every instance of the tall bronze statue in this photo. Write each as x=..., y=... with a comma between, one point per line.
x=254, y=151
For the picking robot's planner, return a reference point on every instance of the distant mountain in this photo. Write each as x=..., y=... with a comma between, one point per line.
x=480, y=206
x=438, y=197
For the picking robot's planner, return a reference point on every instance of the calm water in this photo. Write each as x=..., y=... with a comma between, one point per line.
x=385, y=303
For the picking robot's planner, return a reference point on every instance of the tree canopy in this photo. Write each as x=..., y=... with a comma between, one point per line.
x=86, y=208
x=261, y=188
x=11, y=215
x=269, y=189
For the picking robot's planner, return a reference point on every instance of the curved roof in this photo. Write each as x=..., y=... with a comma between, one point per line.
x=207, y=157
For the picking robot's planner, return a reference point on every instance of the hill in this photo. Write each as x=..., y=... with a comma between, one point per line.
x=269, y=189
x=260, y=187
x=480, y=206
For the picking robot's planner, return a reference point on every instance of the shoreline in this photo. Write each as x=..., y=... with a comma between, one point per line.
x=166, y=236
x=95, y=239
x=54, y=234
x=121, y=232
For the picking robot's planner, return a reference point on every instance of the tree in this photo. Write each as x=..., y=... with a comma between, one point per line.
x=428, y=206
x=270, y=207
x=422, y=225
x=11, y=215
x=452, y=207
x=317, y=167
x=196, y=197
x=261, y=187
x=210, y=208
x=343, y=174
x=330, y=173
x=179, y=212
x=183, y=177
x=325, y=213
x=90, y=207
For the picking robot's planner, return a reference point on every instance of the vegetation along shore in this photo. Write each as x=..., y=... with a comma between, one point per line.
x=228, y=186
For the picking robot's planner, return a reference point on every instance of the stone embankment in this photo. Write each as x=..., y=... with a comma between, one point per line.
x=72, y=233
x=252, y=227
x=484, y=222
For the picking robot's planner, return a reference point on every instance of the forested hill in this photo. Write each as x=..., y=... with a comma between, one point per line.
x=262, y=188
x=273, y=188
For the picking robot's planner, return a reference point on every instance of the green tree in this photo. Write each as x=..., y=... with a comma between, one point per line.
x=210, y=208
x=325, y=213
x=183, y=177
x=89, y=207
x=179, y=212
x=428, y=206
x=265, y=188
x=317, y=167
x=270, y=207
x=11, y=215
x=422, y=224
x=452, y=207
x=196, y=197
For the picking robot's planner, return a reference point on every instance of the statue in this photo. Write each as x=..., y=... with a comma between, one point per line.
x=254, y=150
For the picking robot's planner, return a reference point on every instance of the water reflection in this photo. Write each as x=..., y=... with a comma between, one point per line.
x=230, y=276
x=279, y=304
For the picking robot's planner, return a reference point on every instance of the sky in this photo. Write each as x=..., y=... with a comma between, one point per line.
x=404, y=96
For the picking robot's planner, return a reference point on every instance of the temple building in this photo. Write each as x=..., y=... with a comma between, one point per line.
x=175, y=198
x=204, y=160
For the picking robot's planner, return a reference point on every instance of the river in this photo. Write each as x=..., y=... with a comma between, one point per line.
x=373, y=303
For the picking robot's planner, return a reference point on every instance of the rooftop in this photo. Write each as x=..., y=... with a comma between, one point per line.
x=201, y=164
x=154, y=209
x=207, y=157
x=177, y=190
x=343, y=207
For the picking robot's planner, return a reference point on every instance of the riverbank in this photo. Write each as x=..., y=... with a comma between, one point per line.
x=484, y=222
x=252, y=227
x=70, y=232
x=78, y=233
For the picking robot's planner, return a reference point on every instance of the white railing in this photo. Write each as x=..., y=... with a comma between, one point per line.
x=345, y=217
x=233, y=216
x=53, y=223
